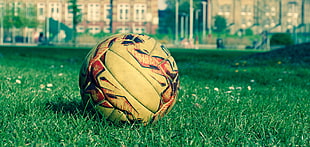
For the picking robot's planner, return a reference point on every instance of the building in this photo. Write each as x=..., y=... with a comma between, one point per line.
x=108, y=16
x=260, y=15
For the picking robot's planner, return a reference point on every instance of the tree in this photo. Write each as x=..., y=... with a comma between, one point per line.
x=11, y=18
x=30, y=20
x=281, y=39
x=77, y=17
x=169, y=18
x=220, y=24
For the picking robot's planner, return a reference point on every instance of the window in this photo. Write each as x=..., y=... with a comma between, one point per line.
x=29, y=8
x=246, y=10
x=106, y=29
x=80, y=29
x=249, y=22
x=292, y=13
x=123, y=12
x=273, y=11
x=123, y=29
x=94, y=29
x=68, y=15
x=139, y=12
x=267, y=10
x=225, y=9
x=41, y=11
x=93, y=12
x=139, y=30
x=107, y=12
x=54, y=10
x=291, y=7
x=16, y=7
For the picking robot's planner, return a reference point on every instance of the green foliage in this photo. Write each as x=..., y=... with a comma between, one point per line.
x=77, y=17
x=281, y=39
x=183, y=5
x=221, y=103
x=19, y=18
x=249, y=32
x=169, y=19
x=101, y=35
x=76, y=11
x=220, y=24
x=31, y=17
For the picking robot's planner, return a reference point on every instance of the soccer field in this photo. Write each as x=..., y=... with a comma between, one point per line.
x=222, y=101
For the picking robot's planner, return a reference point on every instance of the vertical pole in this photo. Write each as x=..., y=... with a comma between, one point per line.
x=47, y=27
x=302, y=12
x=182, y=27
x=280, y=13
x=197, y=21
x=191, y=21
x=204, y=12
x=1, y=21
x=186, y=26
x=59, y=19
x=176, y=21
x=209, y=17
x=25, y=29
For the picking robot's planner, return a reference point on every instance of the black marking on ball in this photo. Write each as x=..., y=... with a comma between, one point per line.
x=165, y=49
x=140, y=51
x=128, y=42
x=111, y=42
x=138, y=40
x=129, y=36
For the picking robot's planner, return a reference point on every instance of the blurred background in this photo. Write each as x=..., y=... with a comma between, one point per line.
x=223, y=24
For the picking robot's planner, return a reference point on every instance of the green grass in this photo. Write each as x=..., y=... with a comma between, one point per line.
x=220, y=103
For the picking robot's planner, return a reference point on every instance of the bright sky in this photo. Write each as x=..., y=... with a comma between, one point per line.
x=162, y=4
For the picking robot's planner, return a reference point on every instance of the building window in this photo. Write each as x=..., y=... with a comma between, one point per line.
x=139, y=12
x=30, y=11
x=41, y=11
x=292, y=7
x=54, y=10
x=68, y=14
x=123, y=12
x=94, y=29
x=292, y=13
x=139, y=30
x=93, y=12
x=246, y=10
x=123, y=29
x=81, y=29
x=107, y=30
x=225, y=10
x=107, y=12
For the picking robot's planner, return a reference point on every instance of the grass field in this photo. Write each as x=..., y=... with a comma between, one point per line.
x=222, y=101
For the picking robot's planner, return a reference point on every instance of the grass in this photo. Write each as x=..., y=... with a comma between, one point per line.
x=222, y=101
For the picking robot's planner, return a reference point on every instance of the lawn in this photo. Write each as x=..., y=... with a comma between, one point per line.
x=222, y=101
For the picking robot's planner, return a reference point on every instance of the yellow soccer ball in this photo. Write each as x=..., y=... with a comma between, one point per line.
x=129, y=78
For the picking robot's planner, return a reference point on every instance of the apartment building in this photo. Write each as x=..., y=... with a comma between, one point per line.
x=109, y=16
x=259, y=15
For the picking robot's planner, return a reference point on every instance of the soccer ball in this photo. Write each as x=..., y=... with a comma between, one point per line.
x=129, y=78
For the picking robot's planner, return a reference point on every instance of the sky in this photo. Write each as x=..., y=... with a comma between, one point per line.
x=162, y=4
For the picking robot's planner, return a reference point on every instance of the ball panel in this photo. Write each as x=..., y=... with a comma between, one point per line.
x=107, y=88
x=160, y=51
x=118, y=116
x=147, y=65
x=105, y=111
x=133, y=81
